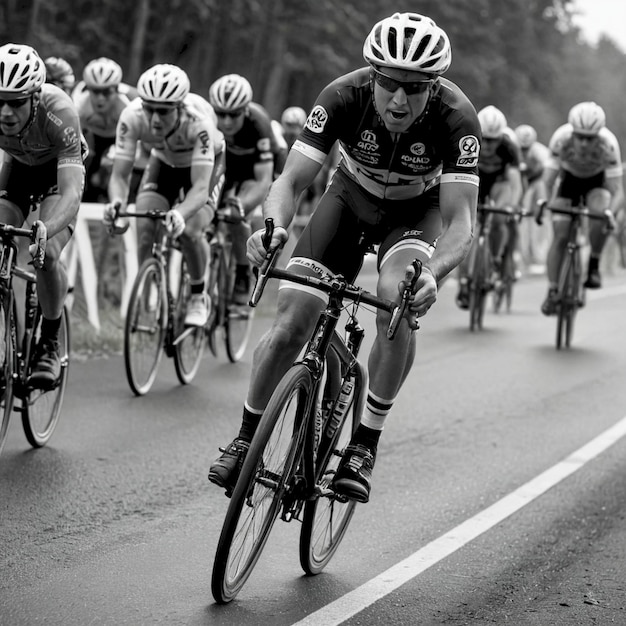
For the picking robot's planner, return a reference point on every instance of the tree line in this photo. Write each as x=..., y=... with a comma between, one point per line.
x=524, y=56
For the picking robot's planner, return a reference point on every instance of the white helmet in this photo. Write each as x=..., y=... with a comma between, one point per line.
x=102, y=73
x=163, y=83
x=59, y=72
x=22, y=71
x=295, y=116
x=492, y=122
x=408, y=41
x=526, y=135
x=230, y=92
x=587, y=118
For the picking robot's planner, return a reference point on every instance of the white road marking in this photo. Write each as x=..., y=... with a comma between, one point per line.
x=360, y=598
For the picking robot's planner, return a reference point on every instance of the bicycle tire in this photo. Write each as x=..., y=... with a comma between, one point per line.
x=7, y=363
x=478, y=285
x=270, y=463
x=237, y=318
x=41, y=408
x=218, y=307
x=569, y=286
x=188, y=342
x=145, y=327
x=326, y=518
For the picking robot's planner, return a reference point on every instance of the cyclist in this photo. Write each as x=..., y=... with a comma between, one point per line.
x=43, y=158
x=292, y=122
x=501, y=183
x=407, y=180
x=585, y=163
x=99, y=107
x=60, y=73
x=251, y=152
x=186, y=156
x=534, y=155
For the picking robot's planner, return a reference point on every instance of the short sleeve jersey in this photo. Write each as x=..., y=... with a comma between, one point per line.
x=535, y=158
x=600, y=155
x=100, y=124
x=441, y=146
x=506, y=154
x=194, y=141
x=253, y=143
x=53, y=133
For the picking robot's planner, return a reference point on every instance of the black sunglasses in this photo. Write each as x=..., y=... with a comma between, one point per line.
x=160, y=111
x=233, y=114
x=14, y=104
x=411, y=88
x=104, y=91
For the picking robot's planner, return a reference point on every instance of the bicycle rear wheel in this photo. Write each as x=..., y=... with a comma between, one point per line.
x=189, y=342
x=265, y=476
x=41, y=408
x=144, y=331
x=478, y=286
x=7, y=364
x=326, y=518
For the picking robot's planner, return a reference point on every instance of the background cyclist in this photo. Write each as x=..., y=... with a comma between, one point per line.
x=251, y=149
x=40, y=135
x=585, y=163
x=60, y=73
x=500, y=183
x=180, y=128
x=399, y=185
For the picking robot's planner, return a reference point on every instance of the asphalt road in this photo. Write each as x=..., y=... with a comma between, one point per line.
x=489, y=503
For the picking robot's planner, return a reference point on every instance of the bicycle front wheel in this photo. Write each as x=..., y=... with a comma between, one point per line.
x=7, y=365
x=478, y=286
x=265, y=476
x=569, y=283
x=189, y=342
x=144, y=331
x=42, y=407
x=238, y=318
x=326, y=517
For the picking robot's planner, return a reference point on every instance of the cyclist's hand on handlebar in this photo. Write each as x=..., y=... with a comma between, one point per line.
x=611, y=222
x=256, y=251
x=424, y=295
x=174, y=222
x=37, y=248
x=110, y=219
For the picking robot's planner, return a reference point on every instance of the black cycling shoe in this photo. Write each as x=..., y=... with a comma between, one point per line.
x=354, y=473
x=551, y=304
x=226, y=469
x=47, y=364
x=594, y=280
x=462, y=297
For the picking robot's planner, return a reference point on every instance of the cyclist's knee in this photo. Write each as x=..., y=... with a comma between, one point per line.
x=598, y=199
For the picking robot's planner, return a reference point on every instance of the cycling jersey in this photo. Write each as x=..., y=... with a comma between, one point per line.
x=52, y=134
x=441, y=146
x=195, y=140
x=100, y=124
x=601, y=155
x=253, y=143
x=534, y=159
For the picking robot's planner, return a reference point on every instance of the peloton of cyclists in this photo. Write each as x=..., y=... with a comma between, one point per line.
x=186, y=157
x=407, y=180
x=41, y=138
x=251, y=152
x=532, y=237
x=585, y=163
x=500, y=183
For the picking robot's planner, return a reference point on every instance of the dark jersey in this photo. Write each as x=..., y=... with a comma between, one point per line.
x=441, y=146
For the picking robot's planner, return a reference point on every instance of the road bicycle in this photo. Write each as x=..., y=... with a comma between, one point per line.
x=571, y=294
x=156, y=312
x=481, y=268
x=301, y=438
x=40, y=408
x=232, y=321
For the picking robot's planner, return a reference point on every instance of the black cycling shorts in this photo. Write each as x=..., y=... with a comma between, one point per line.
x=22, y=184
x=348, y=222
x=575, y=188
x=165, y=180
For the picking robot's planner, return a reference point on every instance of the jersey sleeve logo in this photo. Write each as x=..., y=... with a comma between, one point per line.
x=317, y=119
x=469, y=149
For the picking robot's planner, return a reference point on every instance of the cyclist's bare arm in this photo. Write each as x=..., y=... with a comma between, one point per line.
x=615, y=186
x=58, y=215
x=280, y=205
x=457, y=202
x=119, y=183
x=198, y=194
x=252, y=195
